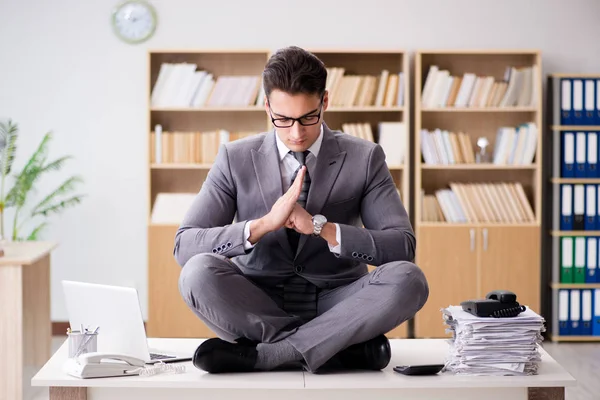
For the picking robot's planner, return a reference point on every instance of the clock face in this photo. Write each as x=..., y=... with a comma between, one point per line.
x=134, y=21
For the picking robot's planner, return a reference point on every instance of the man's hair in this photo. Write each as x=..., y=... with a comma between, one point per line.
x=294, y=70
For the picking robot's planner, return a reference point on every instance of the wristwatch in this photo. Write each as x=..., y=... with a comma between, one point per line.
x=318, y=222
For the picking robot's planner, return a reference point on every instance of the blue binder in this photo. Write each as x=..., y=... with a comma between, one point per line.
x=575, y=311
x=590, y=207
x=564, y=324
x=566, y=101
x=568, y=155
x=589, y=103
x=596, y=313
x=592, y=155
x=577, y=102
x=580, y=154
x=597, y=102
x=587, y=313
x=566, y=204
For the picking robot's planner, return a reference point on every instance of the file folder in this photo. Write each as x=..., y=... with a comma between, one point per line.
x=578, y=207
x=592, y=155
x=575, y=312
x=596, y=311
x=580, y=155
x=579, y=270
x=564, y=327
x=577, y=115
x=568, y=155
x=590, y=207
x=566, y=263
x=598, y=208
x=586, y=312
x=590, y=102
x=597, y=119
x=566, y=99
x=592, y=260
x=566, y=220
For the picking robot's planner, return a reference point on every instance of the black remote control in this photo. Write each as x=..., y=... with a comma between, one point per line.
x=430, y=369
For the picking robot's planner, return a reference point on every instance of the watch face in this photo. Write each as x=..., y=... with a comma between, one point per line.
x=320, y=219
x=134, y=21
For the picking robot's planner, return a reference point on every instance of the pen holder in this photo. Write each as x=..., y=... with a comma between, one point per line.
x=86, y=342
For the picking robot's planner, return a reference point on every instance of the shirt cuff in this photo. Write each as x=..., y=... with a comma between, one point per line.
x=336, y=249
x=247, y=244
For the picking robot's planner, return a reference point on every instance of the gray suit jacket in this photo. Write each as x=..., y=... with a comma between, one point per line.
x=351, y=185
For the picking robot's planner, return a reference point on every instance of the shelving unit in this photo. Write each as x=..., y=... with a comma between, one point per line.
x=571, y=250
x=495, y=244
x=168, y=315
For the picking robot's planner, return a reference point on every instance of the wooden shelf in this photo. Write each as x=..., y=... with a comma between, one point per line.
x=575, y=233
x=181, y=166
x=575, y=128
x=575, y=180
x=476, y=167
x=575, y=285
x=477, y=225
x=480, y=110
x=207, y=109
x=365, y=109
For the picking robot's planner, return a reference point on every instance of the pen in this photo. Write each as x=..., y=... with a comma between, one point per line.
x=85, y=342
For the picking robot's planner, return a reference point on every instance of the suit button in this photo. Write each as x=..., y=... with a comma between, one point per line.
x=229, y=244
x=354, y=254
x=214, y=250
x=370, y=258
x=298, y=268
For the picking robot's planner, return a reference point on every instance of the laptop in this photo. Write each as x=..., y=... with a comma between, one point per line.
x=116, y=311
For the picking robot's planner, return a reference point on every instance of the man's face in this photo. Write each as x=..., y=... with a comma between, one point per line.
x=282, y=106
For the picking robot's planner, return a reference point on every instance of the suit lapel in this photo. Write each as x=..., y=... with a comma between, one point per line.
x=268, y=175
x=326, y=171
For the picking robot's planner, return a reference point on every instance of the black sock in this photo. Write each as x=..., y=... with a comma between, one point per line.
x=273, y=355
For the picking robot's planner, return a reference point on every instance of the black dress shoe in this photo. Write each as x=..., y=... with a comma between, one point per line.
x=217, y=356
x=374, y=354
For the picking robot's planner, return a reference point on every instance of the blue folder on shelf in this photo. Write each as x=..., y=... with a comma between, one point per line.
x=586, y=312
x=575, y=312
x=589, y=104
x=564, y=325
x=596, y=313
x=566, y=215
x=566, y=101
x=568, y=155
x=590, y=207
x=577, y=116
x=592, y=155
x=580, y=155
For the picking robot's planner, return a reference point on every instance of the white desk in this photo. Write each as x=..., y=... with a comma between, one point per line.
x=291, y=385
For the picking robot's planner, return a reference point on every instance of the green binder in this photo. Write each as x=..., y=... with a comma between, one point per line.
x=566, y=265
x=580, y=256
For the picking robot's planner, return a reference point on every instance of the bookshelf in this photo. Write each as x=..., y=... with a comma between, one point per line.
x=572, y=283
x=191, y=124
x=477, y=216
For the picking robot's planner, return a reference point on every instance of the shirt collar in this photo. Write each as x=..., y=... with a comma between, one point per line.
x=314, y=149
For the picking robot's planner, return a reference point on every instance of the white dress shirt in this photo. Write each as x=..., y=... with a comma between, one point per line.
x=288, y=165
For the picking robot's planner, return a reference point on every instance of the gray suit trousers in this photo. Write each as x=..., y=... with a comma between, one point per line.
x=233, y=306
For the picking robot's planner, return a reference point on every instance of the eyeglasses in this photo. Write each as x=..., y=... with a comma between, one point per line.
x=305, y=120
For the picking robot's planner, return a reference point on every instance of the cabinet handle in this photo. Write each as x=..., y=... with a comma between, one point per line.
x=472, y=232
x=485, y=239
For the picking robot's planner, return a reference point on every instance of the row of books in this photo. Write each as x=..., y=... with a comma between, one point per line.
x=579, y=312
x=504, y=202
x=181, y=85
x=579, y=259
x=519, y=88
x=391, y=136
x=189, y=147
x=512, y=146
x=385, y=90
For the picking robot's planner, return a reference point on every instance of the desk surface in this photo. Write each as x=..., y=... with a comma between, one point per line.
x=404, y=352
x=25, y=253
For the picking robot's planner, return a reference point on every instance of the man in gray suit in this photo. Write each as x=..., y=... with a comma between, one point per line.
x=275, y=248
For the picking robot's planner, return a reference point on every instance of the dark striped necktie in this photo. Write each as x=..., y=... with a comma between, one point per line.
x=294, y=236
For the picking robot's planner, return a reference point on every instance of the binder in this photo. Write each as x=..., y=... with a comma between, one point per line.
x=566, y=220
x=577, y=115
x=597, y=119
x=564, y=326
x=592, y=155
x=568, y=155
x=589, y=103
x=598, y=208
x=590, y=207
x=596, y=311
x=586, y=312
x=566, y=263
x=566, y=99
x=579, y=270
x=592, y=260
x=580, y=155
x=578, y=207
x=575, y=312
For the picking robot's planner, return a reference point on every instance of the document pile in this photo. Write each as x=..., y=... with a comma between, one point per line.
x=493, y=346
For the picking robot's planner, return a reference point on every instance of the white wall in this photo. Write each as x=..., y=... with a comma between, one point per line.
x=62, y=69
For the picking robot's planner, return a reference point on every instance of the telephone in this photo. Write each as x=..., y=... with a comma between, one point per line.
x=497, y=304
x=101, y=365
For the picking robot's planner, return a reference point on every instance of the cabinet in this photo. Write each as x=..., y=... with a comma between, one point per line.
x=467, y=262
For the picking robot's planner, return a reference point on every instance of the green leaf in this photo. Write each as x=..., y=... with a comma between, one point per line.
x=34, y=234
x=8, y=146
x=60, y=206
x=66, y=187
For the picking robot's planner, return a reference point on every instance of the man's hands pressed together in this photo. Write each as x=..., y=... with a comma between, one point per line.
x=287, y=212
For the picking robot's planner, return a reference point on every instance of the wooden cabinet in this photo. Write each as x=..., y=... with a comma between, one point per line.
x=463, y=263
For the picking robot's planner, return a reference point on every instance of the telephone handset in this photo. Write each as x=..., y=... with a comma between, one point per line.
x=100, y=365
x=497, y=304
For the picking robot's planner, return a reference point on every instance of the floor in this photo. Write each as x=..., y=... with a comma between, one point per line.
x=582, y=360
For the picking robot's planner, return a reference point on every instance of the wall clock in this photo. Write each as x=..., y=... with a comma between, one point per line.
x=134, y=21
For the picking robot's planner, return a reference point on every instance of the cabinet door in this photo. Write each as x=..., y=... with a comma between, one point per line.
x=448, y=257
x=510, y=260
x=168, y=315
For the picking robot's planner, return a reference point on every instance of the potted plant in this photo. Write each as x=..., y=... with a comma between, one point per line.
x=15, y=189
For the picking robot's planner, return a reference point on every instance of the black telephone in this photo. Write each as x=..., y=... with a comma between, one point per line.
x=497, y=304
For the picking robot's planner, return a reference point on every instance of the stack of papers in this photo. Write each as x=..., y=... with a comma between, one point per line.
x=493, y=346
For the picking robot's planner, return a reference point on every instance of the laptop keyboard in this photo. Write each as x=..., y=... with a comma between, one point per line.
x=155, y=356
